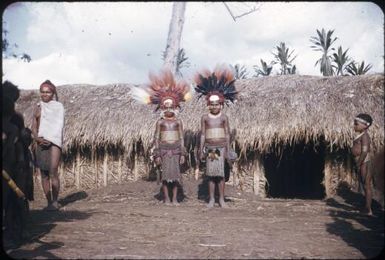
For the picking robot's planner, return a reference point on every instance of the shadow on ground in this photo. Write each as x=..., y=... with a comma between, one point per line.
x=41, y=222
x=180, y=197
x=70, y=198
x=42, y=251
x=203, y=190
x=368, y=234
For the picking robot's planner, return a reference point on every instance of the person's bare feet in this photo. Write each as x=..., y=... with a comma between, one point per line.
x=222, y=203
x=167, y=202
x=175, y=203
x=54, y=206
x=211, y=204
x=367, y=212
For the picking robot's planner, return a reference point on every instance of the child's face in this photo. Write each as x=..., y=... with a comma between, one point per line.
x=359, y=127
x=168, y=108
x=215, y=107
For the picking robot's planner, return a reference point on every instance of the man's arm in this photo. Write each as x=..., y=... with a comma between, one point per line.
x=62, y=113
x=34, y=125
x=203, y=131
x=20, y=159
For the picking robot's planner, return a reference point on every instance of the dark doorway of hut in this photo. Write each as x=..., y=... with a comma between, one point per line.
x=296, y=171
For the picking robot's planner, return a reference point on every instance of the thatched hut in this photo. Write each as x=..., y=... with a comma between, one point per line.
x=293, y=133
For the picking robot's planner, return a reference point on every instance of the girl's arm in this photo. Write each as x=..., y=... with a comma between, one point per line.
x=203, y=131
x=365, y=145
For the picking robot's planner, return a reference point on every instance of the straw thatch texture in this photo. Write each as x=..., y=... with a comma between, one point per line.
x=285, y=109
x=272, y=110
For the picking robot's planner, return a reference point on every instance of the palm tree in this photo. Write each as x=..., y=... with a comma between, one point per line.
x=284, y=58
x=240, y=72
x=341, y=59
x=292, y=70
x=264, y=70
x=361, y=69
x=323, y=43
x=10, y=50
x=25, y=57
x=5, y=43
x=181, y=62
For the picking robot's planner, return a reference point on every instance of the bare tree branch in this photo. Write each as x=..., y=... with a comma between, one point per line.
x=243, y=14
x=228, y=9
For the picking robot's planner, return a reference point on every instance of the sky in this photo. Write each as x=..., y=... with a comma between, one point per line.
x=121, y=42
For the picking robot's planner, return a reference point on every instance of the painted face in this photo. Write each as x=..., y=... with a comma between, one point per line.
x=46, y=94
x=168, y=108
x=214, y=105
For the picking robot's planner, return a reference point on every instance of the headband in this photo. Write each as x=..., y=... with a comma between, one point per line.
x=362, y=121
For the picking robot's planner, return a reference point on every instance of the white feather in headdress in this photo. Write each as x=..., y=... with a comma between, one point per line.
x=161, y=88
x=140, y=94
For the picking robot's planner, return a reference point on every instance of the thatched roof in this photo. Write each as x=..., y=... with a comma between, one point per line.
x=270, y=110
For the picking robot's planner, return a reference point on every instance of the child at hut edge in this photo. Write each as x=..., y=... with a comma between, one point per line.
x=361, y=153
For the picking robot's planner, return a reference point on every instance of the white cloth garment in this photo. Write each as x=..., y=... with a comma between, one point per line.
x=52, y=122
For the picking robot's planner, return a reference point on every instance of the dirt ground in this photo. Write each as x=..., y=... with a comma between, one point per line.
x=129, y=221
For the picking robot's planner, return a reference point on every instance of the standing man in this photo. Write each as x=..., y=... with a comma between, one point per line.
x=218, y=87
x=47, y=129
x=14, y=206
x=169, y=150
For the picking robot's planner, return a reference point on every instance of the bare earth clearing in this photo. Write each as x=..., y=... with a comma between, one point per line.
x=129, y=221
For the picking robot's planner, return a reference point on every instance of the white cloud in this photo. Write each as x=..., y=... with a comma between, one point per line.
x=112, y=42
x=64, y=70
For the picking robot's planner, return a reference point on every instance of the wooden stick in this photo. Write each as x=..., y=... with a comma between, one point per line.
x=81, y=173
x=77, y=173
x=105, y=172
x=73, y=168
x=61, y=175
x=97, y=170
x=136, y=167
x=256, y=177
x=120, y=172
x=13, y=185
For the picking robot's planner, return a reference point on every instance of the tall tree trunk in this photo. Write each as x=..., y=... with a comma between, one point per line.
x=174, y=36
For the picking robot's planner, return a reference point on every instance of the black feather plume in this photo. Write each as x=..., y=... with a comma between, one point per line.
x=220, y=81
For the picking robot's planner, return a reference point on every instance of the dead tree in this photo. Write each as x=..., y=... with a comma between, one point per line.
x=174, y=36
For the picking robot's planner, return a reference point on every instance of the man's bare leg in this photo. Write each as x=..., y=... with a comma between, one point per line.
x=221, y=186
x=174, y=194
x=196, y=173
x=45, y=183
x=54, y=175
x=211, y=193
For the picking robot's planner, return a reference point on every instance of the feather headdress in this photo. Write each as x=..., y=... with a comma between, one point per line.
x=163, y=88
x=220, y=82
